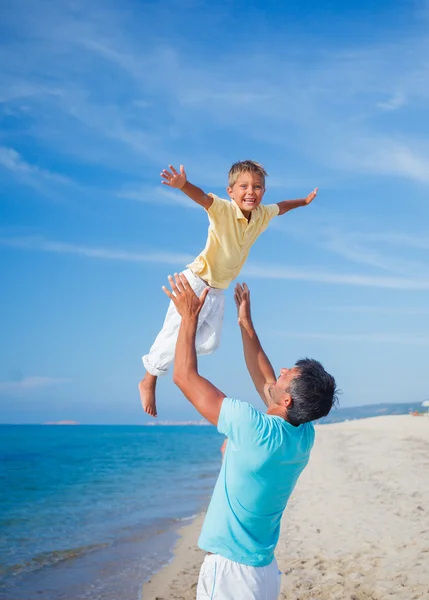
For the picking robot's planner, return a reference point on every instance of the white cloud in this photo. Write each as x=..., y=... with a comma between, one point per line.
x=11, y=160
x=394, y=102
x=390, y=251
x=326, y=111
x=379, y=338
x=318, y=276
x=43, y=245
x=30, y=383
x=159, y=196
x=356, y=247
x=382, y=310
x=259, y=271
x=398, y=239
x=384, y=156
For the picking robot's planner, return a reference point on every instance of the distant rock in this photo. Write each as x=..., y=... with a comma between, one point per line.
x=200, y=423
x=61, y=423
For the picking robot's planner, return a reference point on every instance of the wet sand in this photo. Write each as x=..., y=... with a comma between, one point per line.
x=356, y=527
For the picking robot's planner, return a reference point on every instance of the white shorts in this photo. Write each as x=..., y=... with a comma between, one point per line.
x=161, y=355
x=223, y=579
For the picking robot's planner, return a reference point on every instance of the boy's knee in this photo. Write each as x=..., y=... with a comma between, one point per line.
x=210, y=345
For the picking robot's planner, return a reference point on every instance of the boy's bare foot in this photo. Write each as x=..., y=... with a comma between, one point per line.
x=147, y=394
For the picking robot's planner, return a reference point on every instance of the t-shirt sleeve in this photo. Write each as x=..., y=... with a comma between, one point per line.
x=217, y=208
x=241, y=422
x=271, y=211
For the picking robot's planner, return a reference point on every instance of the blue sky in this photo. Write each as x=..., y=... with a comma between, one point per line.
x=96, y=100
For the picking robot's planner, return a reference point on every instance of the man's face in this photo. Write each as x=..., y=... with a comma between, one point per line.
x=247, y=192
x=279, y=391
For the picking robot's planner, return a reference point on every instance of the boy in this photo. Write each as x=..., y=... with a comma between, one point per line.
x=234, y=227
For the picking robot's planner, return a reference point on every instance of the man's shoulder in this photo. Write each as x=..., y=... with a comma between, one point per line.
x=233, y=405
x=238, y=415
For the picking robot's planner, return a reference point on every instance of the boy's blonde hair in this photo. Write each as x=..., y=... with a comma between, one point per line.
x=246, y=166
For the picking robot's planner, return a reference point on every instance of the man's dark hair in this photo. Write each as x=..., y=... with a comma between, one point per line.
x=313, y=392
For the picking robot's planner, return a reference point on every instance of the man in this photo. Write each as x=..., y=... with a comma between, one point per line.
x=264, y=456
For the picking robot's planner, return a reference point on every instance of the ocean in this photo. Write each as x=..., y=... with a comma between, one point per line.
x=90, y=512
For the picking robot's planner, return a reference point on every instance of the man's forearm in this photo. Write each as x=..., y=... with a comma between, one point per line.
x=258, y=365
x=185, y=363
x=200, y=392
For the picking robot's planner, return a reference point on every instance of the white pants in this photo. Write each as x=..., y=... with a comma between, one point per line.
x=223, y=579
x=210, y=320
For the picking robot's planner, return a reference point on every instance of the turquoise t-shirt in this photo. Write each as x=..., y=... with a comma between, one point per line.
x=263, y=459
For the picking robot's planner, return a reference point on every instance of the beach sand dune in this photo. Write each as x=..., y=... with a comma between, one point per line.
x=357, y=525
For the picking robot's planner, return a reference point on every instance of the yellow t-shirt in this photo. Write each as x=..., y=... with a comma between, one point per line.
x=229, y=240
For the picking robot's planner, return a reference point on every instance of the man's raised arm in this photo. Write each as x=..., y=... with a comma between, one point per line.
x=204, y=396
x=258, y=365
x=179, y=181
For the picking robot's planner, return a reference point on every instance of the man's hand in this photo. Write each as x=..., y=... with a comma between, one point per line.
x=242, y=302
x=187, y=303
x=174, y=179
x=311, y=196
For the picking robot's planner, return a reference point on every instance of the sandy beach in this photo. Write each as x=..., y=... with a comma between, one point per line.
x=357, y=525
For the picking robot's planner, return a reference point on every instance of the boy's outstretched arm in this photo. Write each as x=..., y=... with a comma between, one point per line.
x=287, y=205
x=179, y=181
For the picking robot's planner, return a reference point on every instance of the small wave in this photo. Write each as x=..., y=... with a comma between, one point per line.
x=48, y=559
x=208, y=475
x=182, y=519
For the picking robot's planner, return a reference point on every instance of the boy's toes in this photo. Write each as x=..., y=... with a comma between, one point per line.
x=150, y=410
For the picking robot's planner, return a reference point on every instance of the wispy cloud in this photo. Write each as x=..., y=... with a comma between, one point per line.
x=47, y=183
x=43, y=245
x=361, y=248
x=170, y=96
x=393, y=103
x=319, y=276
x=11, y=160
x=159, y=196
x=359, y=244
x=30, y=383
x=381, y=310
x=378, y=338
x=260, y=271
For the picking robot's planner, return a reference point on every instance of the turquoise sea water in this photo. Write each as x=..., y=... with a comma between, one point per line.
x=91, y=511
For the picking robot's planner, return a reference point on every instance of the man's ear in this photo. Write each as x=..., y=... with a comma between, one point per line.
x=287, y=401
x=229, y=191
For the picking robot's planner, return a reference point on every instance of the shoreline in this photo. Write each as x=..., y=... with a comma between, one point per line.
x=94, y=512
x=183, y=568
x=357, y=525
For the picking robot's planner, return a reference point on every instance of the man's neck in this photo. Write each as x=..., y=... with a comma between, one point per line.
x=277, y=411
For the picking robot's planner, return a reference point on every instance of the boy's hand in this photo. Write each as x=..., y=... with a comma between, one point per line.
x=311, y=196
x=174, y=179
x=187, y=303
x=242, y=302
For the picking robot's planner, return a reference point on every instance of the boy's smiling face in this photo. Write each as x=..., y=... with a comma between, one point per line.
x=247, y=192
